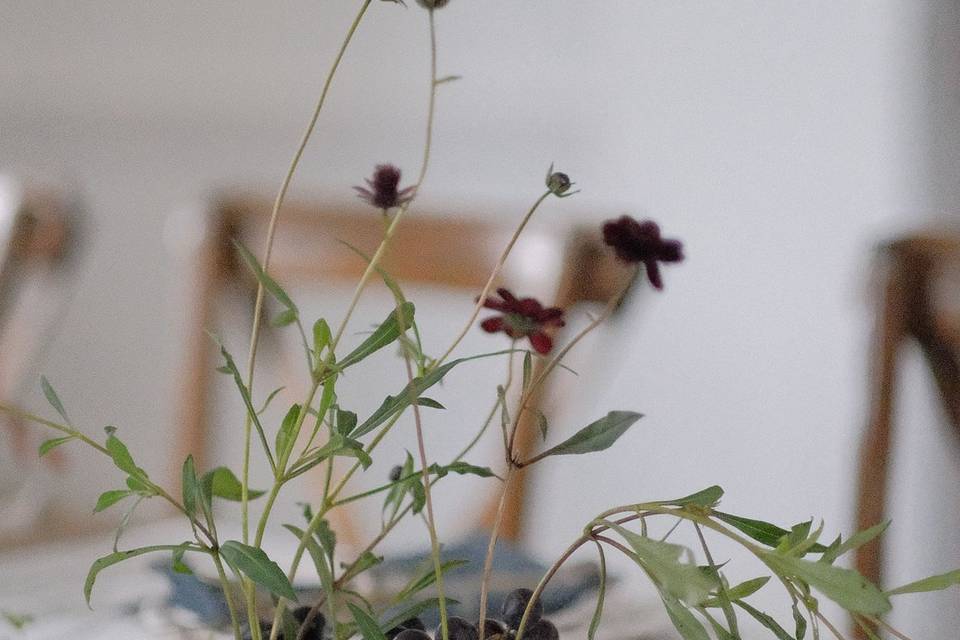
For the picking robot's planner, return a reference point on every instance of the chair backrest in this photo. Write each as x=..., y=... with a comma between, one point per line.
x=919, y=301
x=445, y=250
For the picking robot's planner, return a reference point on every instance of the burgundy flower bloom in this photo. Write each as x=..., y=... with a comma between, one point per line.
x=523, y=318
x=641, y=242
x=383, y=193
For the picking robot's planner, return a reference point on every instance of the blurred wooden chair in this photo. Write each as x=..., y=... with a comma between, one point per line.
x=450, y=251
x=919, y=301
x=38, y=236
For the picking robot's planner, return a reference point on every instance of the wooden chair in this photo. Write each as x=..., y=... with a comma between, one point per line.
x=450, y=251
x=920, y=278
x=38, y=237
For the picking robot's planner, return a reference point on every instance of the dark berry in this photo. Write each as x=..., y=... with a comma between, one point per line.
x=412, y=634
x=516, y=603
x=413, y=623
x=457, y=629
x=395, y=475
x=541, y=630
x=492, y=628
x=314, y=630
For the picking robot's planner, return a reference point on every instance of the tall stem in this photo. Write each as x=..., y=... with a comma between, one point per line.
x=225, y=584
x=268, y=250
x=493, y=276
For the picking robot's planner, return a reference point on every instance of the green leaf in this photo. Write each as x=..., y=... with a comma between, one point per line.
x=800, y=621
x=426, y=577
x=740, y=591
x=346, y=421
x=763, y=532
x=53, y=443
x=462, y=468
x=224, y=484
x=286, y=429
x=527, y=370
x=542, y=425
x=683, y=581
x=429, y=402
x=596, y=436
x=190, y=486
x=53, y=398
x=177, y=564
x=844, y=586
x=16, y=620
x=284, y=318
x=367, y=560
x=321, y=337
x=684, y=621
x=388, y=331
x=231, y=367
x=264, y=278
x=601, y=595
x=765, y=620
x=933, y=583
x=324, y=570
x=255, y=564
x=110, y=498
x=856, y=540
x=266, y=403
x=411, y=392
x=102, y=563
x=706, y=498
x=368, y=627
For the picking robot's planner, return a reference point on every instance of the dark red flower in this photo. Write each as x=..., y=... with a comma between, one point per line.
x=523, y=318
x=383, y=193
x=641, y=242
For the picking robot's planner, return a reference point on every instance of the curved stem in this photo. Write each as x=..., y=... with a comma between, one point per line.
x=492, y=545
x=489, y=285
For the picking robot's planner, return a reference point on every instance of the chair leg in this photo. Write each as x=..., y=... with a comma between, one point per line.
x=875, y=448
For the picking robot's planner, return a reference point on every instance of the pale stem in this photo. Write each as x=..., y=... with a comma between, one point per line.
x=493, y=276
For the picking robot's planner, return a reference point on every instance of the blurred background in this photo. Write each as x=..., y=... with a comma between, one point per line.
x=783, y=142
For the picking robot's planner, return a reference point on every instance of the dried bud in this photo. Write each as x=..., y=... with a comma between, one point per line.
x=395, y=473
x=433, y=4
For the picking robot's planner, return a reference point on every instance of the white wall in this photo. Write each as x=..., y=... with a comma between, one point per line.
x=780, y=140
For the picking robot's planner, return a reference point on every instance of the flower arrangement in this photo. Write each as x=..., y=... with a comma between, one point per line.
x=696, y=594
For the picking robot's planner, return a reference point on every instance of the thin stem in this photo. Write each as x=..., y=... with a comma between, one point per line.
x=268, y=250
x=880, y=622
x=829, y=625
x=579, y=542
x=6, y=408
x=493, y=276
x=492, y=545
x=722, y=589
x=225, y=584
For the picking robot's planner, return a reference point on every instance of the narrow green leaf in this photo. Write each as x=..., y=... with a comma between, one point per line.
x=527, y=370
x=53, y=398
x=426, y=577
x=121, y=456
x=429, y=402
x=413, y=390
x=414, y=611
x=389, y=330
x=706, y=498
x=367, y=560
x=190, y=486
x=346, y=421
x=766, y=620
x=248, y=403
x=596, y=436
x=284, y=318
x=542, y=425
x=740, y=591
x=763, y=532
x=601, y=595
x=266, y=403
x=254, y=563
x=933, y=583
x=177, y=563
x=110, y=498
x=800, y=621
x=321, y=338
x=844, y=586
x=286, y=429
x=684, y=621
x=683, y=581
x=102, y=563
x=856, y=540
x=320, y=560
x=224, y=484
x=368, y=627
x=462, y=468
x=53, y=443
x=264, y=278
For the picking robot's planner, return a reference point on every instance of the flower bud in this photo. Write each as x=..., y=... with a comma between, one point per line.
x=433, y=4
x=558, y=183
